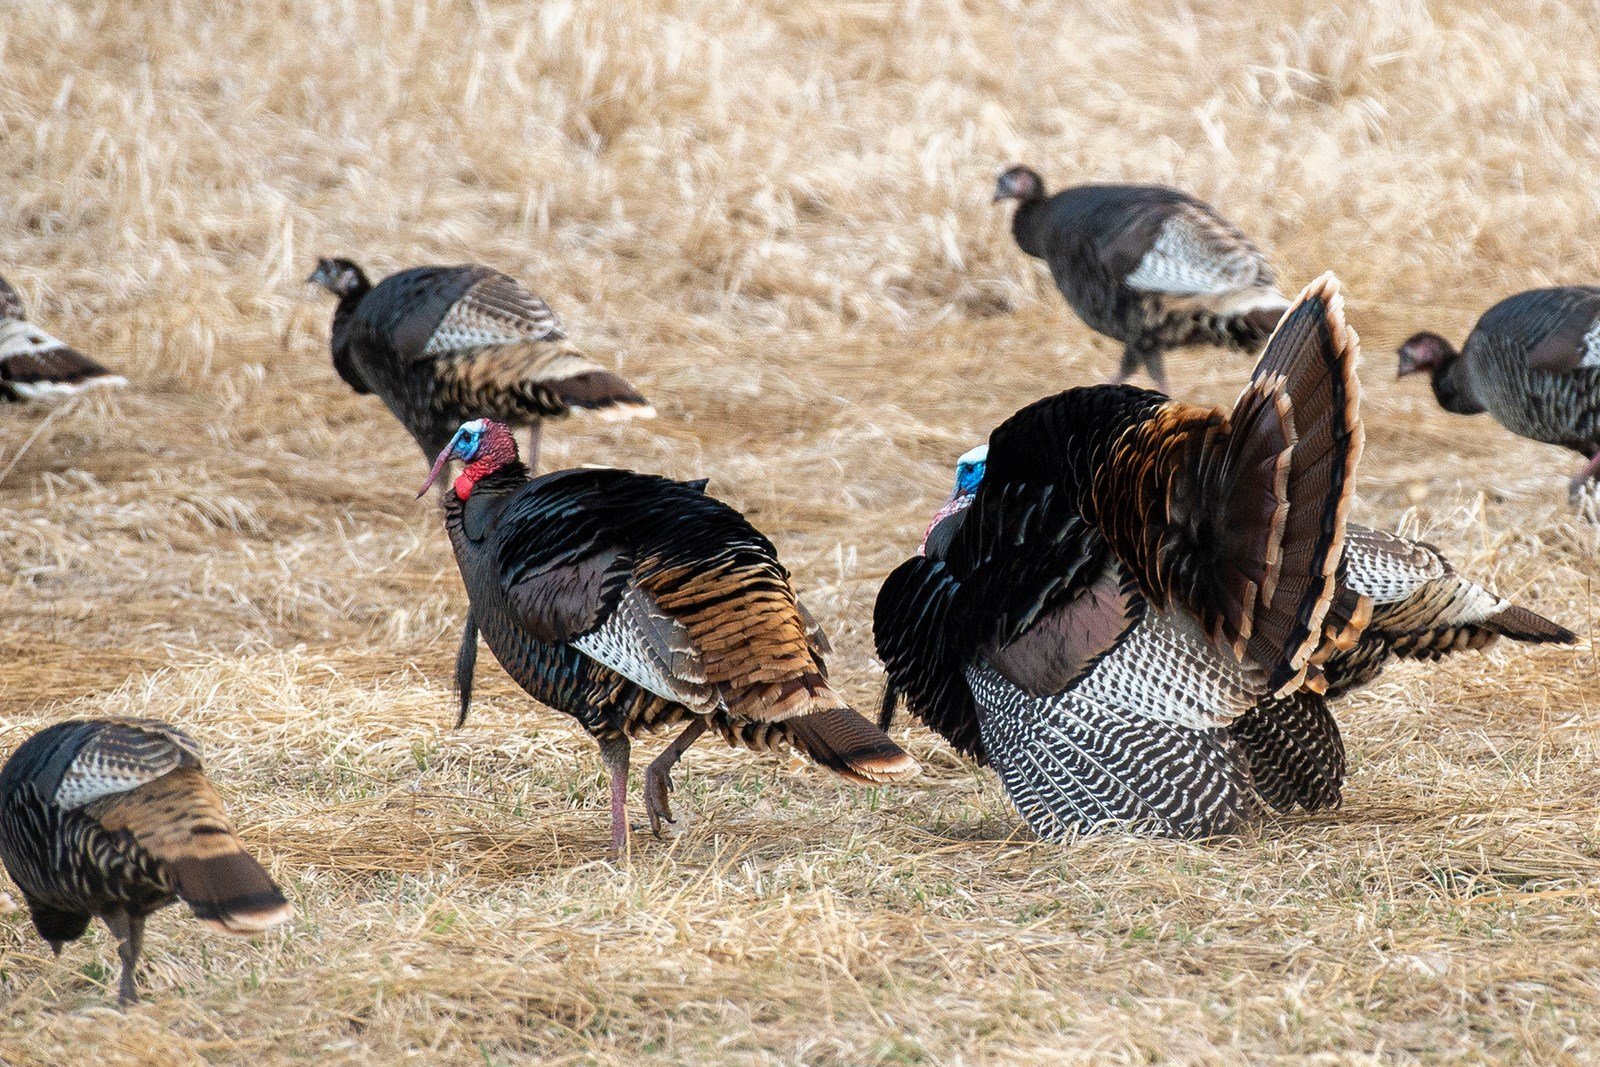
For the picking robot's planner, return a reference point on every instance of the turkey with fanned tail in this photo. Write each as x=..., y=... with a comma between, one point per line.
x=633, y=603
x=1019, y=635
x=114, y=819
x=1149, y=266
x=37, y=366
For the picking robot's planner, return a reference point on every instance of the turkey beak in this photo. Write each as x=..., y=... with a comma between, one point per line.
x=1408, y=365
x=439, y=464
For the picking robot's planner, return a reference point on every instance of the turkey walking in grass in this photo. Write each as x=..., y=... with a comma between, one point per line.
x=1149, y=266
x=943, y=632
x=37, y=366
x=1121, y=577
x=1533, y=362
x=444, y=345
x=113, y=819
x=633, y=603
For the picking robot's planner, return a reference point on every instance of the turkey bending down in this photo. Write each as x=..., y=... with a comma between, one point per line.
x=1149, y=266
x=445, y=345
x=113, y=818
x=1533, y=362
x=37, y=366
x=632, y=603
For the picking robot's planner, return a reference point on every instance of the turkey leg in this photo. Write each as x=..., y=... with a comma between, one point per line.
x=614, y=754
x=658, y=776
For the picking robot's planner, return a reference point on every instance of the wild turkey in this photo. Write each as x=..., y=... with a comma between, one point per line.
x=1149, y=266
x=936, y=614
x=36, y=366
x=113, y=818
x=1130, y=577
x=1533, y=362
x=1018, y=635
x=444, y=345
x=632, y=603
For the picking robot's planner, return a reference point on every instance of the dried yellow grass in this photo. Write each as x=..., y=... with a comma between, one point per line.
x=773, y=217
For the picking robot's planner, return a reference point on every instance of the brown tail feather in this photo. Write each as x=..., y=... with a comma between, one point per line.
x=850, y=746
x=512, y=383
x=603, y=393
x=56, y=369
x=1520, y=624
x=1286, y=481
x=232, y=893
x=178, y=818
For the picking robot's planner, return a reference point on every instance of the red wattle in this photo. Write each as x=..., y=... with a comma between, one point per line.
x=464, y=484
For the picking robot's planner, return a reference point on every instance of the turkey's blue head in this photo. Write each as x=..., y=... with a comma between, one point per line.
x=969, y=475
x=485, y=446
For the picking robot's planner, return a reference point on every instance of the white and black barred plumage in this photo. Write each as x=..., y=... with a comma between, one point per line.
x=1532, y=362
x=1152, y=267
x=36, y=366
x=114, y=819
x=1021, y=637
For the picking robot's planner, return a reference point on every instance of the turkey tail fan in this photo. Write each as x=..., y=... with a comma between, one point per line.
x=1284, y=480
x=178, y=818
x=517, y=381
x=1295, y=752
x=847, y=744
x=231, y=893
x=58, y=371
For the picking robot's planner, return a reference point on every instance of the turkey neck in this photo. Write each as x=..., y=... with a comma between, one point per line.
x=342, y=316
x=473, y=517
x=1452, y=388
x=1025, y=226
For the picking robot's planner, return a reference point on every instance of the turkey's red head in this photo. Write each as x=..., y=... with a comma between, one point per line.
x=1425, y=352
x=484, y=445
x=1019, y=183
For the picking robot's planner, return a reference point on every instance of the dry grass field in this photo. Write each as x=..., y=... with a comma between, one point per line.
x=773, y=217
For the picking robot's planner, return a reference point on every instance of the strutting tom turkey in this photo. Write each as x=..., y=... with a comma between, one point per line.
x=633, y=603
x=37, y=366
x=113, y=819
x=1019, y=635
x=1533, y=362
x=931, y=629
x=1149, y=266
